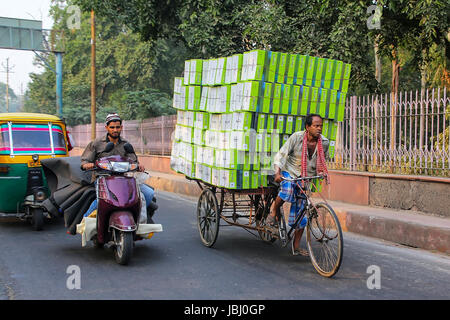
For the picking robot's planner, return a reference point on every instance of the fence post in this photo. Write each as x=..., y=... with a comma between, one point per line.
x=163, y=121
x=352, y=123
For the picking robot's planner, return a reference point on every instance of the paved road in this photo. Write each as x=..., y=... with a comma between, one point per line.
x=175, y=265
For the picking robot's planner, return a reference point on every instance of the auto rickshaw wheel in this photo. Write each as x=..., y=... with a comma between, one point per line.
x=37, y=218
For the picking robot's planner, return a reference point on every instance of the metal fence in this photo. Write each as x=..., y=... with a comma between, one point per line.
x=149, y=136
x=405, y=134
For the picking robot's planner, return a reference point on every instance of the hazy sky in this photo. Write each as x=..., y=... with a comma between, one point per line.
x=22, y=61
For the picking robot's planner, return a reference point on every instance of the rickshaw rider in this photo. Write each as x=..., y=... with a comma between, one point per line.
x=303, y=154
x=94, y=150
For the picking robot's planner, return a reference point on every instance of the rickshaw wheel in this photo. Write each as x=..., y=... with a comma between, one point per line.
x=261, y=222
x=37, y=219
x=208, y=218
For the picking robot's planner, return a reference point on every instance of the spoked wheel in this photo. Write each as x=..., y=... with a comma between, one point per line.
x=37, y=219
x=324, y=240
x=124, y=246
x=261, y=223
x=208, y=217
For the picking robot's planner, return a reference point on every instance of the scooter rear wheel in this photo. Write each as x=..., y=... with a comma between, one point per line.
x=124, y=247
x=37, y=219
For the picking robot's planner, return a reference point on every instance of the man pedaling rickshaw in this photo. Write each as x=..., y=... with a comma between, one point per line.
x=303, y=155
x=94, y=151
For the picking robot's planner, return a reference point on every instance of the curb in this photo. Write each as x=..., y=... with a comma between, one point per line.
x=399, y=226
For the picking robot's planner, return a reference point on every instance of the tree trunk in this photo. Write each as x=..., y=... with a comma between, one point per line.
x=377, y=61
x=394, y=92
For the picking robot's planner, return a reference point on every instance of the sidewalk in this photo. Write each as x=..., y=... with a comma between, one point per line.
x=399, y=226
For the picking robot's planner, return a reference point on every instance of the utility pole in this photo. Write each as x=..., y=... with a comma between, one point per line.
x=93, y=83
x=7, y=71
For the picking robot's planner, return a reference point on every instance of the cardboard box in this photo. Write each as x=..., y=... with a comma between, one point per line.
x=330, y=66
x=338, y=75
x=267, y=96
x=304, y=100
x=299, y=123
x=331, y=149
x=276, y=100
x=220, y=71
x=292, y=68
x=332, y=106
x=346, y=78
x=310, y=68
x=324, y=96
x=187, y=74
x=195, y=72
x=194, y=97
x=286, y=101
x=282, y=66
x=274, y=58
x=341, y=106
x=203, y=99
x=319, y=73
x=300, y=78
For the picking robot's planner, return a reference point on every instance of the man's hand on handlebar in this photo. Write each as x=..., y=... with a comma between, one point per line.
x=88, y=166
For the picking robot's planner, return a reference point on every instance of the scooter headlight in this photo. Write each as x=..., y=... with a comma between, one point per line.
x=105, y=165
x=120, y=166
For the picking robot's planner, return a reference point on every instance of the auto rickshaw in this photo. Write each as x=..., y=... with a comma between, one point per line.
x=26, y=139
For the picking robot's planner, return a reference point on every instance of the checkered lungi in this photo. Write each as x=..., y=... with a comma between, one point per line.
x=290, y=192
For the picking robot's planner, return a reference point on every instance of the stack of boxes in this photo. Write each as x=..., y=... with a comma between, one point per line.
x=234, y=113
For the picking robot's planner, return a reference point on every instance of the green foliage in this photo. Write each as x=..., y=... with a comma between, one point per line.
x=125, y=66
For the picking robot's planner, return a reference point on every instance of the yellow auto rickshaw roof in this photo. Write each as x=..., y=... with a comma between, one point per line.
x=27, y=116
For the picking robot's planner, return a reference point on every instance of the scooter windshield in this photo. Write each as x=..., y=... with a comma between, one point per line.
x=31, y=139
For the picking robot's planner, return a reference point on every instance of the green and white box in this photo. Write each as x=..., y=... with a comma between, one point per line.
x=254, y=65
x=242, y=120
x=286, y=102
x=187, y=74
x=347, y=70
x=205, y=70
x=323, y=102
x=338, y=75
x=310, y=71
x=261, y=125
x=280, y=124
x=255, y=179
x=282, y=66
x=177, y=84
x=195, y=72
x=319, y=73
x=341, y=106
x=300, y=78
x=253, y=90
x=299, y=123
x=227, y=122
x=314, y=100
x=212, y=72
x=332, y=107
x=199, y=137
x=329, y=73
x=246, y=181
x=194, y=97
x=267, y=97
x=332, y=130
x=277, y=96
x=220, y=71
x=332, y=149
x=273, y=66
x=289, y=126
x=292, y=68
x=215, y=176
x=203, y=99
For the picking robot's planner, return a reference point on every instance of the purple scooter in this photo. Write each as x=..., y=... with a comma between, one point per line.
x=119, y=204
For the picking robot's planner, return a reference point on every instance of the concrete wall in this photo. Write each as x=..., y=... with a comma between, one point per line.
x=418, y=193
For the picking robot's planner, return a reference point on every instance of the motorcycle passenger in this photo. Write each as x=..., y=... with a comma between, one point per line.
x=94, y=151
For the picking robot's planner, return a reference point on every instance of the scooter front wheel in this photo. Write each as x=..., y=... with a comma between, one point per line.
x=123, y=246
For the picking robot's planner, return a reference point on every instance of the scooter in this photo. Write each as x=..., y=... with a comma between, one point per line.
x=119, y=205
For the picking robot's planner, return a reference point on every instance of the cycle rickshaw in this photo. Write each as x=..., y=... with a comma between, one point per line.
x=249, y=208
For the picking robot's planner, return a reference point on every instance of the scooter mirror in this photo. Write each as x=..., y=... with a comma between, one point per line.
x=128, y=148
x=109, y=147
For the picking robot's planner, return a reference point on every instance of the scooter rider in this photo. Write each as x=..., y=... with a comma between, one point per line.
x=94, y=151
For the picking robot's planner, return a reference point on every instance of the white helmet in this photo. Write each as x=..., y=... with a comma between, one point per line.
x=112, y=117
